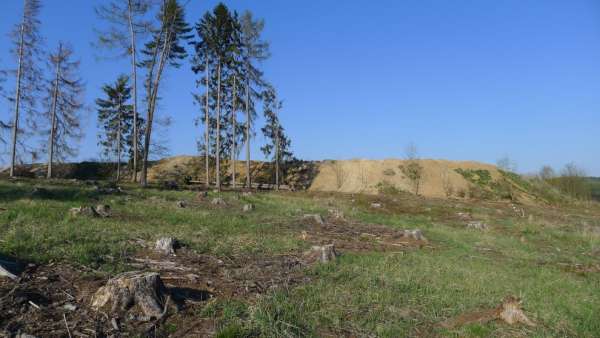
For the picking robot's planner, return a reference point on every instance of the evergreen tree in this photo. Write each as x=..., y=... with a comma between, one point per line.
x=164, y=49
x=252, y=49
x=27, y=51
x=116, y=117
x=279, y=144
x=63, y=104
x=127, y=26
x=217, y=43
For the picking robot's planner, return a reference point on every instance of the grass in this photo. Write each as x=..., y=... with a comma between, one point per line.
x=385, y=294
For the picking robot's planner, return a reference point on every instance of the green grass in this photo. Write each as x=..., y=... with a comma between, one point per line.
x=384, y=294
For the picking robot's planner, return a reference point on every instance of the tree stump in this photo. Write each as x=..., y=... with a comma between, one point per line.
x=315, y=217
x=83, y=211
x=218, y=201
x=248, y=207
x=166, y=245
x=415, y=234
x=511, y=312
x=126, y=290
x=323, y=254
x=103, y=210
x=477, y=225
x=181, y=204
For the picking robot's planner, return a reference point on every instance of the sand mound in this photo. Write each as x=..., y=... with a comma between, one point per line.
x=369, y=176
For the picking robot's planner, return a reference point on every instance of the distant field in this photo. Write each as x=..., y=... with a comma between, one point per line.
x=252, y=266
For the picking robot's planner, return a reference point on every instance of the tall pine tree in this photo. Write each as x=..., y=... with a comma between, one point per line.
x=252, y=50
x=278, y=144
x=163, y=50
x=116, y=117
x=127, y=26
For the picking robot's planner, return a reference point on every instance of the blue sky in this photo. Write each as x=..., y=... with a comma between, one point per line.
x=463, y=80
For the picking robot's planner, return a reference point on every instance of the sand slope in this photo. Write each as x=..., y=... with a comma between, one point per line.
x=365, y=175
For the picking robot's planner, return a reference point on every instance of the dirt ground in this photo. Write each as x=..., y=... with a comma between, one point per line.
x=53, y=300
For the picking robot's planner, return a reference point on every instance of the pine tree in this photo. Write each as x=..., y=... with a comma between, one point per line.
x=278, y=145
x=127, y=26
x=252, y=49
x=116, y=117
x=203, y=62
x=217, y=33
x=27, y=51
x=164, y=49
x=63, y=105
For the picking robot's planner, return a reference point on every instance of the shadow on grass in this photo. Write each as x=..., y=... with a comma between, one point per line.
x=11, y=191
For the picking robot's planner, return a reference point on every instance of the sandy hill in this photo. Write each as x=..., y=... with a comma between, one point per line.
x=439, y=177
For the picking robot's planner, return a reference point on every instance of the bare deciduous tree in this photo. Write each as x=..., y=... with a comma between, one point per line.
x=27, y=42
x=63, y=103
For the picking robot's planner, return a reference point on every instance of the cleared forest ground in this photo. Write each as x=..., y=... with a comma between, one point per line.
x=246, y=273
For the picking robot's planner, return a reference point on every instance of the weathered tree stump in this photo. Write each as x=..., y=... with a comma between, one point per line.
x=415, y=234
x=181, y=204
x=166, y=245
x=336, y=214
x=323, y=254
x=218, y=201
x=248, y=207
x=315, y=217
x=83, y=211
x=103, y=210
x=121, y=293
x=511, y=312
x=477, y=225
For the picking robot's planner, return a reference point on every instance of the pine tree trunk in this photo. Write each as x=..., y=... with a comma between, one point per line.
x=277, y=157
x=153, y=93
x=233, y=122
x=53, y=123
x=119, y=140
x=135, y=111
x=15, y=131
x=248, y=178
x=218, y=150
x=207, y=126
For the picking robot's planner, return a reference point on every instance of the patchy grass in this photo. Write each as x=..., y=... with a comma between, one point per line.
x=387, y=294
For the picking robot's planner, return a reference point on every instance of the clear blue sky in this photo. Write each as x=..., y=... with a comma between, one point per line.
x=463, y=80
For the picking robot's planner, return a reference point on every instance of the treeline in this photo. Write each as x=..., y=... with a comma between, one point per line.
x=570, y=180
x=224, y=49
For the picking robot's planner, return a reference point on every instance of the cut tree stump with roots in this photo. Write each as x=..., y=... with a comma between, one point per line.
x=415, y=234
x=323, y=254
x=124, y=291
x=166, y=245
x=315, y=217
x=217, y=201
x=509, y=312
x=103, y=210
x=477, y=225
x=336, y=214
x=83, y=211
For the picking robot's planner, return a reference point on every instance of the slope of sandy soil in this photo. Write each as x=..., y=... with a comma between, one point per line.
x=354, y=176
